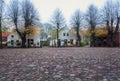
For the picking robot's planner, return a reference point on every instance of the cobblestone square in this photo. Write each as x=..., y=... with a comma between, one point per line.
x=60, y=64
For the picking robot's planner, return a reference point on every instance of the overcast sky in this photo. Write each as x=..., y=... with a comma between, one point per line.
x=46, y=7
x=68, y=7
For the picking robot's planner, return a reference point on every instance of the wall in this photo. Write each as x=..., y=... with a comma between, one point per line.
x=15, y=38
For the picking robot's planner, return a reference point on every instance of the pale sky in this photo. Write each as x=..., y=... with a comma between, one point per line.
x=47, y=7
x=68, y=7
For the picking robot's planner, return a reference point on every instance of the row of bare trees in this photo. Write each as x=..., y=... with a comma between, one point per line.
x=76, y=21
x=109, y=16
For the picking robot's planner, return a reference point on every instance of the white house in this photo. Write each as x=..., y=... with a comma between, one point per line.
x=33, y=41
x=15, y=41
x=67, y=37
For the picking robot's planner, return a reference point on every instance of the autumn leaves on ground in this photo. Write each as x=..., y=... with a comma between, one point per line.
x=60, y=64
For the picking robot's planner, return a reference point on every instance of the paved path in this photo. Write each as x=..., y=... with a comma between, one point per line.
x=60, y=64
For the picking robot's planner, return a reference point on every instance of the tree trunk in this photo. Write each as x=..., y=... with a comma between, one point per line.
x=117, y=26
x=0, y=35
x=109, y=33
x=111, y=39
x=92, y=40
x=78, y=36
x=23, y=37
x=78, y=40
x=24, y=42
x=58, y=35
x=115, y=32
x=57, y=39
x=112, y=33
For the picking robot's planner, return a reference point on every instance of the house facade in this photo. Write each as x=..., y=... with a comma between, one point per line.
x=33, y=41
x=13, y=40
x=67, y=37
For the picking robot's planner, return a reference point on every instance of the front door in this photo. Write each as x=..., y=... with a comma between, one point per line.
x=30, y=42
x=65, y=42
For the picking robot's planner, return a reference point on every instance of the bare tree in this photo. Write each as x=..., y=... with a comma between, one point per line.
x=117, y=16
x=58, y=22
x=14, y=15
x=111, y=13
x=92, y=20
x=76, y=21
x=1, y=11
x=30, y=16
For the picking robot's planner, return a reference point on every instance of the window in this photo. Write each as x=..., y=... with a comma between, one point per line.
x=65, y=42
x=68, y=41
x=67, y=34
x=12, y=36
x=63, y=34
x=71, y=41
x=30, y=41
x=12, y=41
x=38, y=43
x=17, y=42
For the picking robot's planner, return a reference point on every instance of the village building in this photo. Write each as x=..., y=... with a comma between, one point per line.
x=14, y=40
x=67, y=37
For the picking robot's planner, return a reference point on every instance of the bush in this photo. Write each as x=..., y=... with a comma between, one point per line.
x=82, y=44
x=4, y=45
x=87, y=42
x=43, y=43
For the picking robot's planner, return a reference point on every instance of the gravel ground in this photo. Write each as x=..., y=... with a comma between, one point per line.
x=60, y=64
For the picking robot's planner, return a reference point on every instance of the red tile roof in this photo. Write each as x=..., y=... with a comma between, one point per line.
x=5, y=35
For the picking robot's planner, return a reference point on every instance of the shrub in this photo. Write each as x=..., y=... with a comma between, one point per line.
x=43, y=43
x=82, y=44
x=87, y=42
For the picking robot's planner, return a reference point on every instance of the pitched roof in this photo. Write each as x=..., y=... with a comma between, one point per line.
x=5, y=35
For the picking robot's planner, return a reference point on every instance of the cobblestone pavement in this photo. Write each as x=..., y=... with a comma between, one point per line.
x=60, y=64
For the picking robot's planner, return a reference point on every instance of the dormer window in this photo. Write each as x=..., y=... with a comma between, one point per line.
x=12, y=36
